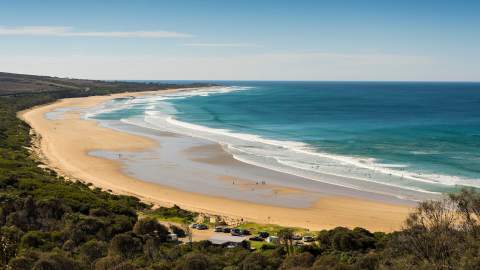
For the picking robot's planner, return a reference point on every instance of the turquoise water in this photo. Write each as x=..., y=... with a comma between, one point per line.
x=417, y=136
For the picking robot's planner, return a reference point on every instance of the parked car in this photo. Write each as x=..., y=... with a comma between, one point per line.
x=236, y=232
x=226, y=230
x=255, y=238
x=297, y=237
x=232, y=245
x=218, y=229
x=298, y=243
x=263, y=234
x=308, y=238
x=172, y=237
x=194, y=225
x=273, y=239
x=202, y=227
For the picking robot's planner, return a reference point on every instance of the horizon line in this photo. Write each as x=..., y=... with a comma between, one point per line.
x=246, y=80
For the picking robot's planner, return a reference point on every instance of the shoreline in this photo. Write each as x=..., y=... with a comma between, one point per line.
x=66, y=144
x=180, y=158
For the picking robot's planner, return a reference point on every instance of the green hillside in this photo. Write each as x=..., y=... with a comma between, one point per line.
x=49, y=223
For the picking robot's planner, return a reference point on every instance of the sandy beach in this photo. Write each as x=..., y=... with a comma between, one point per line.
x=67, y=144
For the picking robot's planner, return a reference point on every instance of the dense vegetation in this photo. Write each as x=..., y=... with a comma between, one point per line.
x=49, y=223
x=15, y=84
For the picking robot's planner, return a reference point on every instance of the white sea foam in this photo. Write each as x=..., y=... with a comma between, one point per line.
x=104, y=108
x=370, y=164
x=258, y=151
x=150, y=100
x=240, y=136
x=424, y=152
x=296, y=158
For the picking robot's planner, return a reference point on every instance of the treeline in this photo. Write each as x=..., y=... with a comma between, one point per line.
x=11, y=84
x=49, y=223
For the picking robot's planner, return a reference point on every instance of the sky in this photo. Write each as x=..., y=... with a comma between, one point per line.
x=357, y=40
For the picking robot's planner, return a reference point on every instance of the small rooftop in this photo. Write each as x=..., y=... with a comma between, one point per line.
x=220, y=239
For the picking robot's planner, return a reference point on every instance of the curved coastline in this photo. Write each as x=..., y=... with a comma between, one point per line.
x=363, y=173
x=66, y=143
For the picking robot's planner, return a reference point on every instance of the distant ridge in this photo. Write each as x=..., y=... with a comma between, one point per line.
x=13, y=84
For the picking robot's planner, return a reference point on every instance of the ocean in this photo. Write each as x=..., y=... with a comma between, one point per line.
x=421, y=137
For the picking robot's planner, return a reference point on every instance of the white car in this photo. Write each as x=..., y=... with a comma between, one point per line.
x=308, y=238
x=273, y=239
x=172, y=237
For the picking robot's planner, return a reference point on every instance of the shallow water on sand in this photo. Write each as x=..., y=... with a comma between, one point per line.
x=409, y=140
x=198, y=165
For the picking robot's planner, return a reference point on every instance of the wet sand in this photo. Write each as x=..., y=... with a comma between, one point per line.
x=180, y=159
x=198, y=175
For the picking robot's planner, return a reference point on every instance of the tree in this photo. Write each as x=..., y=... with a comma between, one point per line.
x=431, y=234
x=255, y=261
x=108, y=263
x=152, y=228
x=20, y=263
x=302, y=260
x=124, y=245
x=178, y=231
x=33, y=239
x=150, y=248
x=9, y=237
x=92, y=250
x=188, y=232
x=328, y=261
x=54, y=262
x=286, y=236
x=468, y=206
x=195, y=261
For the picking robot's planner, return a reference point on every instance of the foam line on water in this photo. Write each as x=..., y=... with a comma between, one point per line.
x=240, y=158
x=157, y=115
x=323, y=180
x=129, y=102
x=300, y=147
x=300, y=166
x=162, y=122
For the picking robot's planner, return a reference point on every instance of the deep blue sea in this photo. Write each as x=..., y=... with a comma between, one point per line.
x=421, y=136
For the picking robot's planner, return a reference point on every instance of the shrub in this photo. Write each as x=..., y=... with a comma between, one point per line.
x=195, y=261
x=92, y=250
x=108, y=263
x=344, y=239
x=150, y=227
x=328, y=262
x=125, y=246
x=20, y=263
x=54, y=262
x=178, y=231
x=254, y=261
x=34, y=239
x=304, y=260
x=175, y=212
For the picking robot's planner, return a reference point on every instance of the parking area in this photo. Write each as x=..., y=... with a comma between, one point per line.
x=223, y=234
x=219, y=234
x=220, y=238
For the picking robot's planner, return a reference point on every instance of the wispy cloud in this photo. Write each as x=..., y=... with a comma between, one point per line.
x=221, y=45
x=60, y=31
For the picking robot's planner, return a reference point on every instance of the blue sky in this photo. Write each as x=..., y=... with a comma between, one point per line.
x=230, y=40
